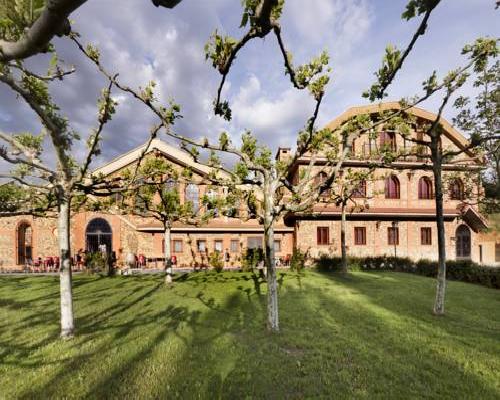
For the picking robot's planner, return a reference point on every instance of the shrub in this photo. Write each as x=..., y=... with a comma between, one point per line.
x=216, y=262
x=458, y=270
x=297, y=260
x=251, y=258
x=94, y=262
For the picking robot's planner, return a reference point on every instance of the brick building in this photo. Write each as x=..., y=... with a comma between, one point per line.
x=394, y=214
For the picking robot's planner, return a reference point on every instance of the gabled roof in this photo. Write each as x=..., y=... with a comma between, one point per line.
x=456, y=137
x=174, y=154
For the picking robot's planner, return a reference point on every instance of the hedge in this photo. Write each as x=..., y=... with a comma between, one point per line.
x=462, y=270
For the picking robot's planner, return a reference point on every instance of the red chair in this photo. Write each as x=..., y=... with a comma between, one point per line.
x=56, y=263
x=141, y=261
x=37, y=264
x=48, y=263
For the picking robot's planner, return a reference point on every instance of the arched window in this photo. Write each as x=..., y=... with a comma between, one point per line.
x=193, y=196
x=424, y=188
x=24, y=243
x=457, y=190
x=388, y=141
x=212, y=196
x=360, y=190
x=392, y=187
x=463, y=242
x=99, y=236
x=170, y=185
x=320, y=179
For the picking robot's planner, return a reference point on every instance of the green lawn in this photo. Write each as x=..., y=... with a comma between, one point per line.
x=370, y=335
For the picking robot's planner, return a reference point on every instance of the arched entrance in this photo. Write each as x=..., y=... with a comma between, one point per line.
x=463, y=242
x=24, y=243
x=98, y=235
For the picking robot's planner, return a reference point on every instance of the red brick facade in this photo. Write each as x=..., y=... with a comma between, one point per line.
x=412, y=213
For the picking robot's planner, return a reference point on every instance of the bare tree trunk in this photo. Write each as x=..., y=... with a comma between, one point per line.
x=272, y=285
x=167, y=249
x=67, y=322
x=441, y=275
x=342, y=238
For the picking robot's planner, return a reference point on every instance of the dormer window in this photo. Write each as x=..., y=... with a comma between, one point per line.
x=388, y=141
x=457, y=190
x=320, y=180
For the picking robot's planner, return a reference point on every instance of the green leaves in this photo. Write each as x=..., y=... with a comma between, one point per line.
x=18, y=15
x=480, y=51
x=307, y=75
x=390, y=64
x=224, y=141
x=219, y=49
x=430, y=84
x=147, y=94
x=93, y=53
x=30, y=141
x=106, y=106
x=418, y=7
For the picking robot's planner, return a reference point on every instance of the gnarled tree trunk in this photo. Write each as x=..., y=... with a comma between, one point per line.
x=342, y=238
x=167, y=249
x=441, y=275
x=272, y=285
x=67, y=321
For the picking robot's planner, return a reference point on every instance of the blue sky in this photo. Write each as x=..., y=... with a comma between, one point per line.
x=145, y=43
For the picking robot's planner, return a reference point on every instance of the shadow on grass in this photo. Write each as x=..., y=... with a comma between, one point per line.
x=206, y=338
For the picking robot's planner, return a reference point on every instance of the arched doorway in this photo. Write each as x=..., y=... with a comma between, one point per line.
x=463, y=242
x=24, y=243
x=98, y=235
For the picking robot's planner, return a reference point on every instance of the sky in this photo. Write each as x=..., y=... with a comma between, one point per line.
x=143, y=43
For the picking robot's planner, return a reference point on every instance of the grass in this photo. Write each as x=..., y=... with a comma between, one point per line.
x=370, y=335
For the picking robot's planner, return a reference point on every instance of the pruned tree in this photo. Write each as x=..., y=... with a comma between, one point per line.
x=152, y=191
x=350, y=189
x=479, y=117
x=54, y=185
x=28, y=26
x=275, y=189
x=478, y=56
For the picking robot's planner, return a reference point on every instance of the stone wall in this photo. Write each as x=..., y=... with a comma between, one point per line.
x=377, y=239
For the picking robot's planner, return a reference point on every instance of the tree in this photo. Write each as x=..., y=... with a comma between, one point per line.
x=480, y=118
x=272, y=187
x=152, y=191
x=479, y=53
x=57, y=184
x=351, y=188
x=28, y=26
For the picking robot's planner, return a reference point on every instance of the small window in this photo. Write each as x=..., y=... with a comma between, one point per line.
x=359, y=191
x=457, y=190
x=218, y=246
x=424, y=188
x=202, y=246
x=393, y=236
x=388, y=141
x=323, y=235
x=392, y=188
x=192, y=196
x=277, y=246
x=497, y=252
x=235, y=245
x=320, y=179
x=254, y=242
x=360, y=235
x=426, y=236
x=170, y=185
x=177, y=246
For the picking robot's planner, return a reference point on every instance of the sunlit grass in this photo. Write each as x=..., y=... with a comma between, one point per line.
x=370, y=335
